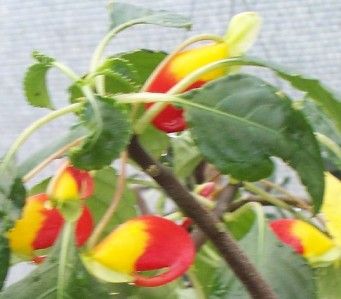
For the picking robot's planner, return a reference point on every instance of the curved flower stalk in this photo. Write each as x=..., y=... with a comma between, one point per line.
x=41, y=222
x=317, y=247
x=240, y=36
x=142, y=244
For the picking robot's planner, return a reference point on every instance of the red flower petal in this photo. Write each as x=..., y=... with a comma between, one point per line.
x=84, y=181
x=170, y=246
x=283, y=229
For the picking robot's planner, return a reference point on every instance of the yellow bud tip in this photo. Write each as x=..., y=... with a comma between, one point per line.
x=242, y=32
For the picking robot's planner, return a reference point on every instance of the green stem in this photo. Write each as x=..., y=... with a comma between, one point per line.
x=67, y=71
x=119, y=190
x=32, y=128
x=329, y=143
x=196, y=284
x=145, y=97
x=265, y=195
x=66, y=236
x=193, y=77
x=98, y=53
x=277, y=202
x=181, y=47
x=87, y=91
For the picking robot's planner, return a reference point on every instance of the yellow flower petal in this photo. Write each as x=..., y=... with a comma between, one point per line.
x=331, y=207
x=188, y=61
x=314, y=242
x=63, y=186
x=121, y=249
x=24, y=232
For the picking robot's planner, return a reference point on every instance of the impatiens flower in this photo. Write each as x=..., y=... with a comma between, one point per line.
x=307, y=240
x=70, y=183
x=304, y=238
x=142, y=244
x=41, y=222
x=241, y=34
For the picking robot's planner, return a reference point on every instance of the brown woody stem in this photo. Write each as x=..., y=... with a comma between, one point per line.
x=224, y=200
x=206, y=221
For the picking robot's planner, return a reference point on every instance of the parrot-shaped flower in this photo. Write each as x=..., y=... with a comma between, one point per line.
x=240, y=36
x=41, y=222
x=142, y=244
x=316, y=246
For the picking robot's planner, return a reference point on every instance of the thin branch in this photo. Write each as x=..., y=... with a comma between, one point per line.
x=49, y=159
x=257, y=287
x=141, y=203
x=299, y=202
x=22, y=138
x=224, y=200
x=254, y=198
x=120, y=186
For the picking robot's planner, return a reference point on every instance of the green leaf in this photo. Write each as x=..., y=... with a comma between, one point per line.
x=128, y=14
x=168, y=291
x=240, y=221
x=105, y=184
x=35, y=82
x=287, y=273
x=12, y=195
x=240, y=121
x=4, y=259
x=328, y=281
x=326, y=98
x=41, y=187
x=58, y=277
x=186, y=156
x=323, y=125
x=125, y=291
x=75, y=92
x=120, y=75
x=18, y=193
x=106, y=139
x=207, y=262
x=50, y=149
x=42, y=58
x=144, y=62
x=154, y=141
x=116, y=83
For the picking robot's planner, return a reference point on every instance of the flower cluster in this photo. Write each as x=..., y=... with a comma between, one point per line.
x=141, y=244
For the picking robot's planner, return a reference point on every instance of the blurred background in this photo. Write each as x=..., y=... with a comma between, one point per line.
x=304, y=35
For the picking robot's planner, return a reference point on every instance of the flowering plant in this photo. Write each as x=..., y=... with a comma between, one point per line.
x=196, y=131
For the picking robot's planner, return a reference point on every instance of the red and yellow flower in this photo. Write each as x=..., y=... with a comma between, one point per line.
x=142, y=244
x=241, y=34
x=307, y=240
x=41, y=222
